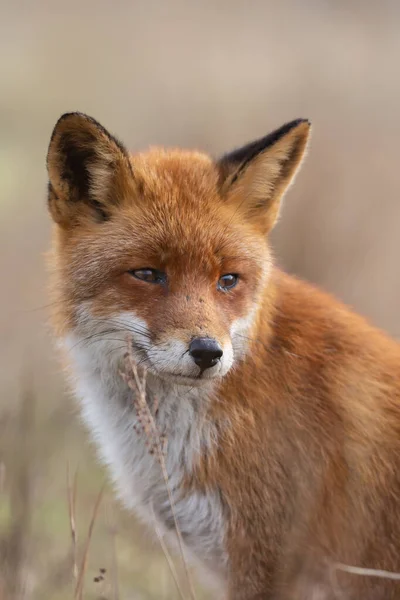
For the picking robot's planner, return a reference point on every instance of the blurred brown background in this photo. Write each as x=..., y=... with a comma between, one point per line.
x=211, y=74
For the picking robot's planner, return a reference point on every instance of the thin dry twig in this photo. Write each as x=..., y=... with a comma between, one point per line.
x=82, y=570
x=110, y=519
x=156, y=442
x=71, y=489
x=167, y=555
x=367, y=572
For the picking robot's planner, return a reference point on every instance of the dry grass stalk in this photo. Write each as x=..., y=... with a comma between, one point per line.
x=156, y=442
x=81, y=576
x=167, y=555
x=367, y=572
x=110, y=520
x=71, y=489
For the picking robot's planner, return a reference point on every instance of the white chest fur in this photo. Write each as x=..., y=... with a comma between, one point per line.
x=108, y=412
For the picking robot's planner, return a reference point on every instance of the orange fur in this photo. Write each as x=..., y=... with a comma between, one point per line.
x=308, y=455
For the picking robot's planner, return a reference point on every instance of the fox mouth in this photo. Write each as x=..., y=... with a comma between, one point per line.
x=181, y=379
x=195, y=380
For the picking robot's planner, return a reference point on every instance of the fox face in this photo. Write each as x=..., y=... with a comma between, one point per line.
x=166, y=248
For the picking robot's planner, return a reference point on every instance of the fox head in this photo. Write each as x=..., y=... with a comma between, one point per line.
x=167, y=247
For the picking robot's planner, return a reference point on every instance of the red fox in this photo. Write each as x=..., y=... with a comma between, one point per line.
x=280, y=406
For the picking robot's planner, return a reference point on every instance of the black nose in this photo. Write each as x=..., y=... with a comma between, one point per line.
x=205, y=352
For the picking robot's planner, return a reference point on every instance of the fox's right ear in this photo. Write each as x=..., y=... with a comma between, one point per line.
x=254, y=178
x=89, y=170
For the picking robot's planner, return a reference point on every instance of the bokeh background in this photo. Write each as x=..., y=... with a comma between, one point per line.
x=211, y=74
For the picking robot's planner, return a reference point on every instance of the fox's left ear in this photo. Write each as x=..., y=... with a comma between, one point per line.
x=89, y=171
x=256, y=176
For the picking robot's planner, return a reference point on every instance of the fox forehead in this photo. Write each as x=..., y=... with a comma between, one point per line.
x=177, y=198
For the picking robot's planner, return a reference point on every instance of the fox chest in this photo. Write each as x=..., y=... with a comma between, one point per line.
x=150, y=484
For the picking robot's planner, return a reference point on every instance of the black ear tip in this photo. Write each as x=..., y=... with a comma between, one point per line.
x=68, y=115
x=74, y=121
x=73, y=116
x=300, y=121
x=63, y=120
x=300, y=127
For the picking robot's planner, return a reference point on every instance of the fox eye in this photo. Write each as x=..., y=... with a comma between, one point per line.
x=228, y=281
x=149, y=275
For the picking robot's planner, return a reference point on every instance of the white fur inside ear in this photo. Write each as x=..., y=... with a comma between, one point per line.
x=260, y=184
x=101, y=174
x=268, y=178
